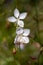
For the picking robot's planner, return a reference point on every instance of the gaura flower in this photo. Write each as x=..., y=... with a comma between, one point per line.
x=18, y=18
x=22, y=36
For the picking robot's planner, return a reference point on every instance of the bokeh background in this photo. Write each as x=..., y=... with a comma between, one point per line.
x=33, y=52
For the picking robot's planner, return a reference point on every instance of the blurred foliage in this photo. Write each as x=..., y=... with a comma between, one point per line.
x=34, y=21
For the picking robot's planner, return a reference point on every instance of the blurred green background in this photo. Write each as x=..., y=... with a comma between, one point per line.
x=33, y=52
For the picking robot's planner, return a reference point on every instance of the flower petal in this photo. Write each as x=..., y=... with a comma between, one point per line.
x=19, y=31
x=21, y=46
x=16, y=13
x=25, y=40
x=15, y=40
x=12, y=19
x=22, y=15
x=19, y=39
x=20, y=23
x=26, y=32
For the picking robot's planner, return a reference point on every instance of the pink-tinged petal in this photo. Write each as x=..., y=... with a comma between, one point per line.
x=21, y=46
x=26, y=32
x=20, y=23
x=23, y=15
x=12, y=19
x=16, y=13
x=19, y=31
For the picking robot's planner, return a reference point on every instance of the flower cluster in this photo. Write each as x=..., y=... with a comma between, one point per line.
x=21, y=33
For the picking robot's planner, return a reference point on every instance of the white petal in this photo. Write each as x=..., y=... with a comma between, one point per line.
x=19, y=38
x=19, y=31
x=20, y=23
x=15, y=40
x=21, y=46
x=12, y=19
x=16, y=13
x=26, y=32
x=25, y=40
x=22, y=15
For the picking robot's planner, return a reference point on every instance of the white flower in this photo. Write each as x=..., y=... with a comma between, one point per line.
x=18, y=18
x=22, y=36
